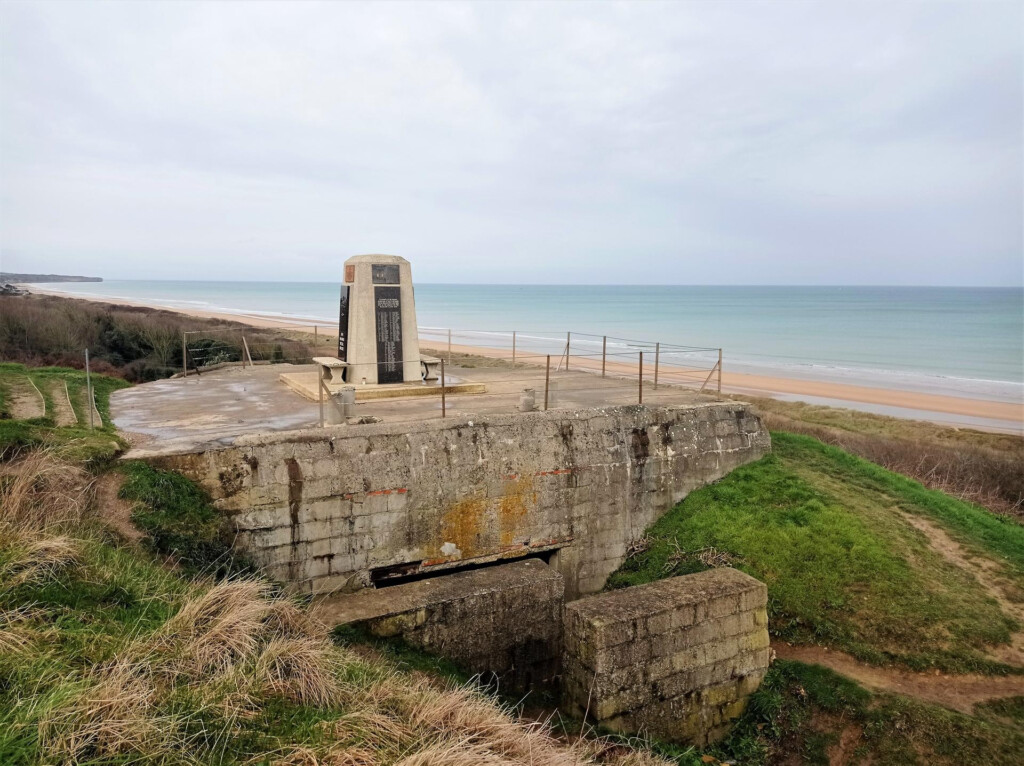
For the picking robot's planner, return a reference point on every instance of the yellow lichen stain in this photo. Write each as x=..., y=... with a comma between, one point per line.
x=519, y=498
x=461, y=525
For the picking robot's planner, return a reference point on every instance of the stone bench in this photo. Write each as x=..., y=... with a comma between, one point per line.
x=329, y=364
x=429, y=365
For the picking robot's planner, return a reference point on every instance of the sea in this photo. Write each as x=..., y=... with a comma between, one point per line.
x=960, y=341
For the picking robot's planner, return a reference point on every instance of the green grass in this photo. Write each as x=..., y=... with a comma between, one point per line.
x=801, y=711
x=180, y=521
x=79, y=444
x=824, y=530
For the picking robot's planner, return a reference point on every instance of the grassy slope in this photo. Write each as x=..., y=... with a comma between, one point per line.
x=823, y=529
x=79, y=443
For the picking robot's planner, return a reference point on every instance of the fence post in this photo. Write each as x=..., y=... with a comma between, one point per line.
x=245, y=347
x=320, y=391
x=719, y=370
x=547, y=382
x=184, y=357
x=657, y=357
x=568, y=346
x=444, y=403
x=88, y=390
x=513, y=348
x=641, y=381
x=604, y=353
x=316, y=337
x=449, y=345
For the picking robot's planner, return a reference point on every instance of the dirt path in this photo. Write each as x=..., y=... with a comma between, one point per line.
x=115, y=512
x=23, y=399
x=987, y=573
x=959, y=692
x=63, y=413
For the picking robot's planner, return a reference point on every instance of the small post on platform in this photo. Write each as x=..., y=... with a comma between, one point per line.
x=449, y=345
x=719, y=370
x=88, y=390
x=568, y=347
x=513, y=348
x=184, y=357
x=641, y=381
x=657, y=357
x=604, y=353
x=320, y=391
x=245, y=347
x=444, y=403
x=547, y=382
x=316, y=337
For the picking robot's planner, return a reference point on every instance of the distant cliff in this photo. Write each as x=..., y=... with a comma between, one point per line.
x=16, y=278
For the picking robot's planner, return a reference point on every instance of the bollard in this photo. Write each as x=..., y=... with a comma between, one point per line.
x=528, y=400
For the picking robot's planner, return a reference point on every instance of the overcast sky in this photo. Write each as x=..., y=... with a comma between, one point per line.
x=707, y=143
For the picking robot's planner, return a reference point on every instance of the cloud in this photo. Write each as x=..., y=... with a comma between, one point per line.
x=543, y=142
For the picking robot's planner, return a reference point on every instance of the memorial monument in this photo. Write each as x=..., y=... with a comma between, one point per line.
x=377, y=337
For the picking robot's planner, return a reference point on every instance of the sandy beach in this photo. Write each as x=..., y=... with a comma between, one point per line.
x=951, y=410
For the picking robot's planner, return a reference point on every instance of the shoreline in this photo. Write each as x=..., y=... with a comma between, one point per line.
x=945, y=409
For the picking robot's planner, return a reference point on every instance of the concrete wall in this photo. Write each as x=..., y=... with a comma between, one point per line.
x=324, y=508
x=503, y=622
x=676, y=658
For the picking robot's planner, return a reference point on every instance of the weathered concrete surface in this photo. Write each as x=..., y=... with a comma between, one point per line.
x=677, y=658
x=329, y=509
x=503, y=620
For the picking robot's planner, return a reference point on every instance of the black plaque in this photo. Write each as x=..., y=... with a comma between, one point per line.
x=388, y=307
x=385, y=273
x=343, y=325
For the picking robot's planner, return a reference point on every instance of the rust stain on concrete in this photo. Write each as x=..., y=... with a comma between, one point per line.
x=462, y=524
x=513, y=507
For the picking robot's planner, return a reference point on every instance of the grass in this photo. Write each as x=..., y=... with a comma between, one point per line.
x=180, y=521
x=985, y=468
x=802, y=712
x=79, y=444
x=824, y=530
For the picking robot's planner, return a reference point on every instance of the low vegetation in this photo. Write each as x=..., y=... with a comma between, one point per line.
x=980, y=467
x=831, y=535
x=137, y=344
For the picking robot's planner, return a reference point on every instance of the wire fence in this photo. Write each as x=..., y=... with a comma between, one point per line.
x=543, y=370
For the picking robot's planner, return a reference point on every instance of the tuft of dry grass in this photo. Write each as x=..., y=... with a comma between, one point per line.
x=42, y=493
x=35, y=560
x=113, y=715
x=299, y=669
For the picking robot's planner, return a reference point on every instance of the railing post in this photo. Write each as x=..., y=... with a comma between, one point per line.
x=184, y=358
x=719, y=370
x=444, y=402
x=513, y=348
x=604, y=353
x=320, y=391
x=88, y=390
x=568, y=346
x=316, y=337
x=657, y=357
x=640, y=398
x=547, y=382
x=449, y=345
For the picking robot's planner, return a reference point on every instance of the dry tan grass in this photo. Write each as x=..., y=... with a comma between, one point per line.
x=300, y=669
x=35, y=560
x=112, y=716
x=41, y=492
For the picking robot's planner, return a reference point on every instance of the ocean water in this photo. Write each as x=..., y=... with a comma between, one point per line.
x=957, y=341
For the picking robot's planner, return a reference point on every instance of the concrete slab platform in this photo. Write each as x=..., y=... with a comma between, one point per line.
x=218, y=406
x=306, y=384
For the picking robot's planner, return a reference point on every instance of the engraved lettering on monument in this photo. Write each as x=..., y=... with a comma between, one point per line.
x=343, y=323
x=388, y=308
x=384, y=274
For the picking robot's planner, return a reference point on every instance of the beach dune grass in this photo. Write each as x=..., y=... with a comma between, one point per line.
x=829, y=534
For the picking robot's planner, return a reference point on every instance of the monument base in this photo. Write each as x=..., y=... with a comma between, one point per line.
x=306, y=385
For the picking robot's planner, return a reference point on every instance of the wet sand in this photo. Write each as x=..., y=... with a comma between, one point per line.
x=952, y=410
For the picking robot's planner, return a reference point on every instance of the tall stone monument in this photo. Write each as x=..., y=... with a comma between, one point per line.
x=377, y=335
